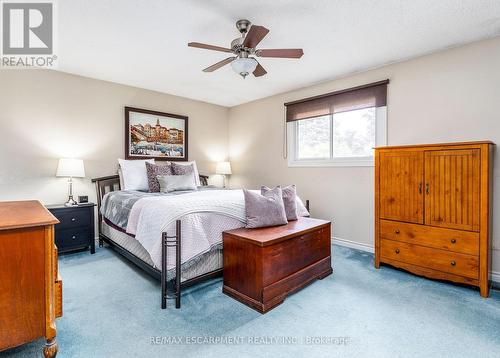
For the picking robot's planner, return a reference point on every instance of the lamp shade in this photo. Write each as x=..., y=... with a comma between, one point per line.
x=70, y=168
x=223, y=168
x=243, y=66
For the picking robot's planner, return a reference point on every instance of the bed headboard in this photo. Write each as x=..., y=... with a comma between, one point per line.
x=104, y=185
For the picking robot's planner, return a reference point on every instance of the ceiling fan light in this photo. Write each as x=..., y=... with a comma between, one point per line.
x=244, y=66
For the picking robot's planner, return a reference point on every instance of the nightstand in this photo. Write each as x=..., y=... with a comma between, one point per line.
x=76, y=227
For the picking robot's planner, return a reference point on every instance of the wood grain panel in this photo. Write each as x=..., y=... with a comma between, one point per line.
x=22, y=286
x=282, y=259
x=430, y=273
x=263, y=266
x=401, y=185
x=452, y=180
x=466, y=242
x=27, y=277
x=58, y=297
x=444, y=261
x=486, y=217
x=457, y=205
x=19, y=214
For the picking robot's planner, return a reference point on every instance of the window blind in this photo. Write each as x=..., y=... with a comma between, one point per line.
x=365, y=96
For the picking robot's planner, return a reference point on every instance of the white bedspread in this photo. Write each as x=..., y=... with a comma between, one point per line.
x=204, y=215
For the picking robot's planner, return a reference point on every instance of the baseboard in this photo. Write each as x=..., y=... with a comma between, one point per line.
x=353, y=244
x=495, y=276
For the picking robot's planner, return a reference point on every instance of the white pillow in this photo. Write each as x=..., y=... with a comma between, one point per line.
x=134, y=174
x=195, y=168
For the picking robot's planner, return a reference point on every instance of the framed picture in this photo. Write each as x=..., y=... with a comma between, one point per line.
x=155, y=135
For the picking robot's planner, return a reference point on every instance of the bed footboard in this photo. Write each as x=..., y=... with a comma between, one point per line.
x=175, y=242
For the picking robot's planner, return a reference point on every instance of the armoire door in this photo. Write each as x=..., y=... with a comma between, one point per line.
x=401, y=176
x=452, y=179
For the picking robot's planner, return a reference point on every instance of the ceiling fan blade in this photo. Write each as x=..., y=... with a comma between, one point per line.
x=283, y=53
x=209, y=47
x=219, y=64
x=254, y=36
x=259, y=71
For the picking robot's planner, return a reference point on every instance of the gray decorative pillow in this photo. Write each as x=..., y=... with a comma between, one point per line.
x=289, y=199
x=152, y=171
x=169, y=183
x=265, y=210
x=183, y=169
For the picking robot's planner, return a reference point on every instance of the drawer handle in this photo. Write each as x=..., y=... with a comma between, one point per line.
x=73, y=219
x=397, y=251
x=397, y=231
x=453, y=241
x=453, y=263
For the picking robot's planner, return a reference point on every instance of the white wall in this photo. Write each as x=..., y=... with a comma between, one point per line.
x=45, y=115
x=448, y=96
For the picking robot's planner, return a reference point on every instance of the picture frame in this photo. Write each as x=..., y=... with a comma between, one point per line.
x=155, y=135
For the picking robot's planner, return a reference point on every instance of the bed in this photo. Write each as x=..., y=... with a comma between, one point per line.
x=153, y=229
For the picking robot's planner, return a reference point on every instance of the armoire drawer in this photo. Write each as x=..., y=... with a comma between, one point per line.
x=466, y=242
x=445, y=261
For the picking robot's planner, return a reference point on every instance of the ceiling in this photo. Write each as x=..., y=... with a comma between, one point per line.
x=144, y=43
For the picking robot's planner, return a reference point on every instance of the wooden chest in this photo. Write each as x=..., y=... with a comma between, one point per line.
x=263, y=266
x=433, y=210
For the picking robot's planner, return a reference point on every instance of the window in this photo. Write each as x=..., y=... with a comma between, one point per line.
x=340, y=139
x=344, y=133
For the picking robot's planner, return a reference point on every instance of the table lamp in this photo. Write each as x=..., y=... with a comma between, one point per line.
x=223, y=168
x=70, y=168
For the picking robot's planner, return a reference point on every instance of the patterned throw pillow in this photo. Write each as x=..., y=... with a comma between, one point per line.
x=153, y=170
x=289, y=199
x=183, y=169
x=265, y=210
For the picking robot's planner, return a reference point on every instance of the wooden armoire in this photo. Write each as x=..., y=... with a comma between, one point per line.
x=433, y=210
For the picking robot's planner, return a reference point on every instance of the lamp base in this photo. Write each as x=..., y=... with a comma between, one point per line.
x=71, y=202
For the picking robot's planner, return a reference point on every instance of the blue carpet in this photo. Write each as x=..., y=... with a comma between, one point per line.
x=111, y=309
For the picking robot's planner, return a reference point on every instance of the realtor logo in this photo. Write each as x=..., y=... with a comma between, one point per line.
x=27, y=29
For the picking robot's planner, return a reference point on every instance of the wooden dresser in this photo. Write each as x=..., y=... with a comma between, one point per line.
x=433, y=210
x=263, y=266
x=30, y=285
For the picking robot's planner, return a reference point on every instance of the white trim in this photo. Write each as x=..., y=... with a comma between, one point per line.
x=353, y=244
x=495, y=276
x=380, y=140
x=331, y=163
x=381, y=126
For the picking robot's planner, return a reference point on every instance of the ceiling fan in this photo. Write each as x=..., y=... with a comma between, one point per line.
x=243, y=47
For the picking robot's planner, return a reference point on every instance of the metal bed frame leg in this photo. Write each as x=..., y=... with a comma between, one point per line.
x=164, y=270
x=166, y=243
x=178, y=264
